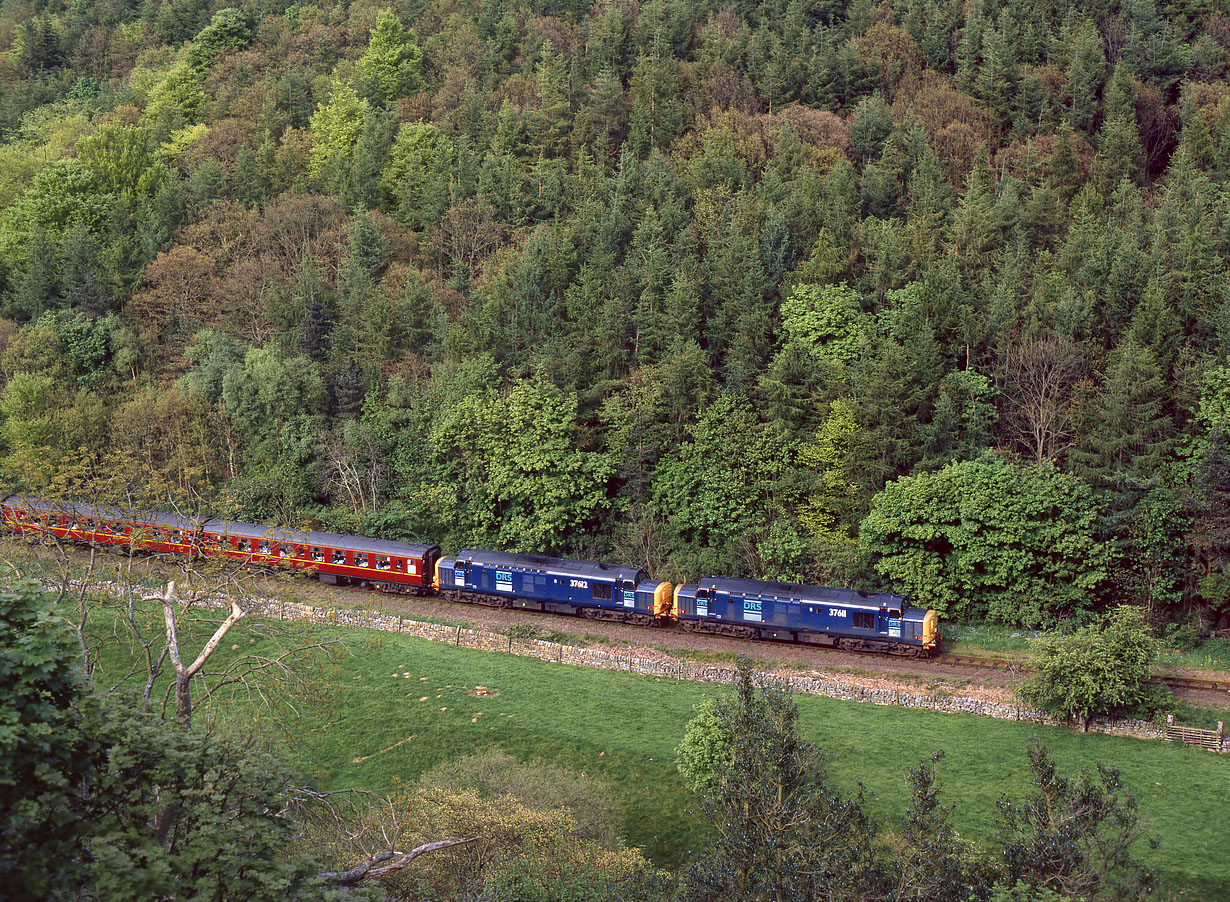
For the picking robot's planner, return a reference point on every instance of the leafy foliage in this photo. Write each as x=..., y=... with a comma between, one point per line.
x=1102, y=668
x=104, y=798
x=986, y=538
x=782, y=830
x=892, y=238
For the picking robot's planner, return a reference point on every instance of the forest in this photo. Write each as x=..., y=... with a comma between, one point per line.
x=924, y=294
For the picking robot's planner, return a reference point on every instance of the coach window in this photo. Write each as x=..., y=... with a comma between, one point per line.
x=318, y=554
x=264, y=547
x=602, y=592
x=864, y=621
x=339, y=557
x=382, y=563
x=360, y=560
x=399, y=566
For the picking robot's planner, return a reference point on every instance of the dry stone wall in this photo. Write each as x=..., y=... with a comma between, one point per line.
x=830, y=687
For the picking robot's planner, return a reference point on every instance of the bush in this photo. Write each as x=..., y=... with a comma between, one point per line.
x=1100, y=669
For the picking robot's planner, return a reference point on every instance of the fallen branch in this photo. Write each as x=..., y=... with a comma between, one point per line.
x=364, y=870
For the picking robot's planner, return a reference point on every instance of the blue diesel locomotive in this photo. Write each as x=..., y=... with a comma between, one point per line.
x=743, y=608
x=811, y=615
x=534, y=582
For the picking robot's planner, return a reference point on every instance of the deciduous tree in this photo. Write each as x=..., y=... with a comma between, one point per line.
x=989, y=538
x=1100, y=669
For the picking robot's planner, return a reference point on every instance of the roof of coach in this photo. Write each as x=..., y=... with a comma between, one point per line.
x=361, y=544
x=556, y=565
x=216, y=525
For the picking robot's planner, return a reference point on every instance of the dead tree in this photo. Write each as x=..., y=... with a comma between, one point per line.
x=1038, y=377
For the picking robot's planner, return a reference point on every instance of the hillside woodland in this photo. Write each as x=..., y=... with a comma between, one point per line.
x=923, y=294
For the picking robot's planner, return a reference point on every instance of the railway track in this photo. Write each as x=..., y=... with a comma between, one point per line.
x=1012, y=666
x=1004, y=665
x=1007, y=665
x=1202, y=684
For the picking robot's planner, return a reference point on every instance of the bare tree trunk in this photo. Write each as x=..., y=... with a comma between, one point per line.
x=184, y=675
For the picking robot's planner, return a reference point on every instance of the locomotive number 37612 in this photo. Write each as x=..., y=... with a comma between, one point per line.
x=578, y=583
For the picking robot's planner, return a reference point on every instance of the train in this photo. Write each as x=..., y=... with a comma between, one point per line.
x=742, y=608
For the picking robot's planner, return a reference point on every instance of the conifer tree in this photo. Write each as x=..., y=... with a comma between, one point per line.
x=783, y=832
x=393, y=64
x=1125, y=437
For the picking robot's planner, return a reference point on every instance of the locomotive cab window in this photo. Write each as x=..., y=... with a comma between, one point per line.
x=602, y=592
x=864, y=621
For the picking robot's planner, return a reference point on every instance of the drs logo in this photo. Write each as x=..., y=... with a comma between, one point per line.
x=752, y=611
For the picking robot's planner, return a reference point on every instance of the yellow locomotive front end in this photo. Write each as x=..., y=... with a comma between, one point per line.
x=931, y=631
x=664, y=603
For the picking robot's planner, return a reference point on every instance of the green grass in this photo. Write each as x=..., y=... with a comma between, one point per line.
x=986, y=639
x=380, y=731
x=1212, y=655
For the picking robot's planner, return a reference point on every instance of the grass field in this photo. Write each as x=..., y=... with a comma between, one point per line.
x=397, y=706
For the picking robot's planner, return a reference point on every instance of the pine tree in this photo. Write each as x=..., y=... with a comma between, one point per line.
x=552, y=120
x=80, y=282
x=1063, y=168
x=1121, y=155
x=782, y=832
x=1126, y=436
x=393, y=64
x=35, y=289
